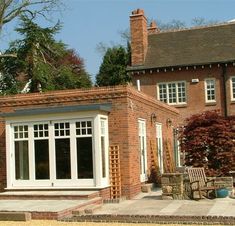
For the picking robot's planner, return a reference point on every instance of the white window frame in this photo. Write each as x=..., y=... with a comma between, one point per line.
x=232, y=87
x=206, y=81
x=142, y=144
x=53, y=183
x=168, y=94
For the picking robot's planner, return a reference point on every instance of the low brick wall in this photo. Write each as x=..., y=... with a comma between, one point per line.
x=172, y=186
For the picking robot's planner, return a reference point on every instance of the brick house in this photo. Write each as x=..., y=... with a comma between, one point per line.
x=190, y=69
x=61, y=139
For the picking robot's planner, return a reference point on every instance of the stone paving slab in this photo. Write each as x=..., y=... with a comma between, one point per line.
x=56, y=193
x=39, y=205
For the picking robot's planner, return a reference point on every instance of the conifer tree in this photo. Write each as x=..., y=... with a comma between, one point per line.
x=42, y=62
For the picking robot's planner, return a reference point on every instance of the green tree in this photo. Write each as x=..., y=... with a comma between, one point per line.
x=43, y=61
x=113, y=68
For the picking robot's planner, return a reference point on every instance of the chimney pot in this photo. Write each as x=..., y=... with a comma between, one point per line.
x=153, y=29
x=138, y=12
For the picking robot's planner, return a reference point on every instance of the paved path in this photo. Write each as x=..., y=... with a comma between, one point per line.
x=146, y=207
x=149, y=208
x=151, y=204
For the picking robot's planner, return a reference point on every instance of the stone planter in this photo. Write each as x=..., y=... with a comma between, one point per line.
x=172, y=186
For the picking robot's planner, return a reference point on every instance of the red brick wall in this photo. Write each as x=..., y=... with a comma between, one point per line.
x=140, y=108
x=128, y=105
x=195, y=91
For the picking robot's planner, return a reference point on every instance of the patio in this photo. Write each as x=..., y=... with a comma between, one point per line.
x=150, y=208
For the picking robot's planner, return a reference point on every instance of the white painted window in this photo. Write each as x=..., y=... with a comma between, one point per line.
x=142, y=150
x=232, y=84
x=57, y=152
x=210, y=94
x=172, y=92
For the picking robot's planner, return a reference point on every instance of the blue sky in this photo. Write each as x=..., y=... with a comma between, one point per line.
x=89, y=22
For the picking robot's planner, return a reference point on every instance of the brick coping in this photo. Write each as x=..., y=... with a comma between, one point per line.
x=95, y=93
x=156, y=219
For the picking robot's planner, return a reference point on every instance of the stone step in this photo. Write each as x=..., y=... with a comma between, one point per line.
x=15, y=216
x=147, y=188
x=87, y=210
x=43, y=209
x=49, y=195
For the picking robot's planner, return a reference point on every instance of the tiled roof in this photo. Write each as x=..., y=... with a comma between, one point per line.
x=205, y=45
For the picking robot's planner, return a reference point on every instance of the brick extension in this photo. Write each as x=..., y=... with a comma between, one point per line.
x=128, y=105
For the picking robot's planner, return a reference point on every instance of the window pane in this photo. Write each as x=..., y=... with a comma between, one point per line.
x=21, y=160
x=41, y=130
x=83, y=128
x=63, y=166
x=62, y=129
x=21, y=132
x=84, y=157
x=41, y=159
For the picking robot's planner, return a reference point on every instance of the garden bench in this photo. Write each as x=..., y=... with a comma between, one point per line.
x=199, y=182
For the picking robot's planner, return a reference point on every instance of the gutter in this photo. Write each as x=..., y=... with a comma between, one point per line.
x=143, y=67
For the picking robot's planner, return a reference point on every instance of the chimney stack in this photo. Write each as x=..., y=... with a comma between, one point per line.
x=139, y=37
x=153, y=29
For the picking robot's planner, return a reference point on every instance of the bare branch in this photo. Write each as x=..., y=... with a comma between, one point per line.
x=11, y=9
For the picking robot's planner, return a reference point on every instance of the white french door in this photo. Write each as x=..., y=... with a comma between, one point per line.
x=142, y=150
x=159, y=147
